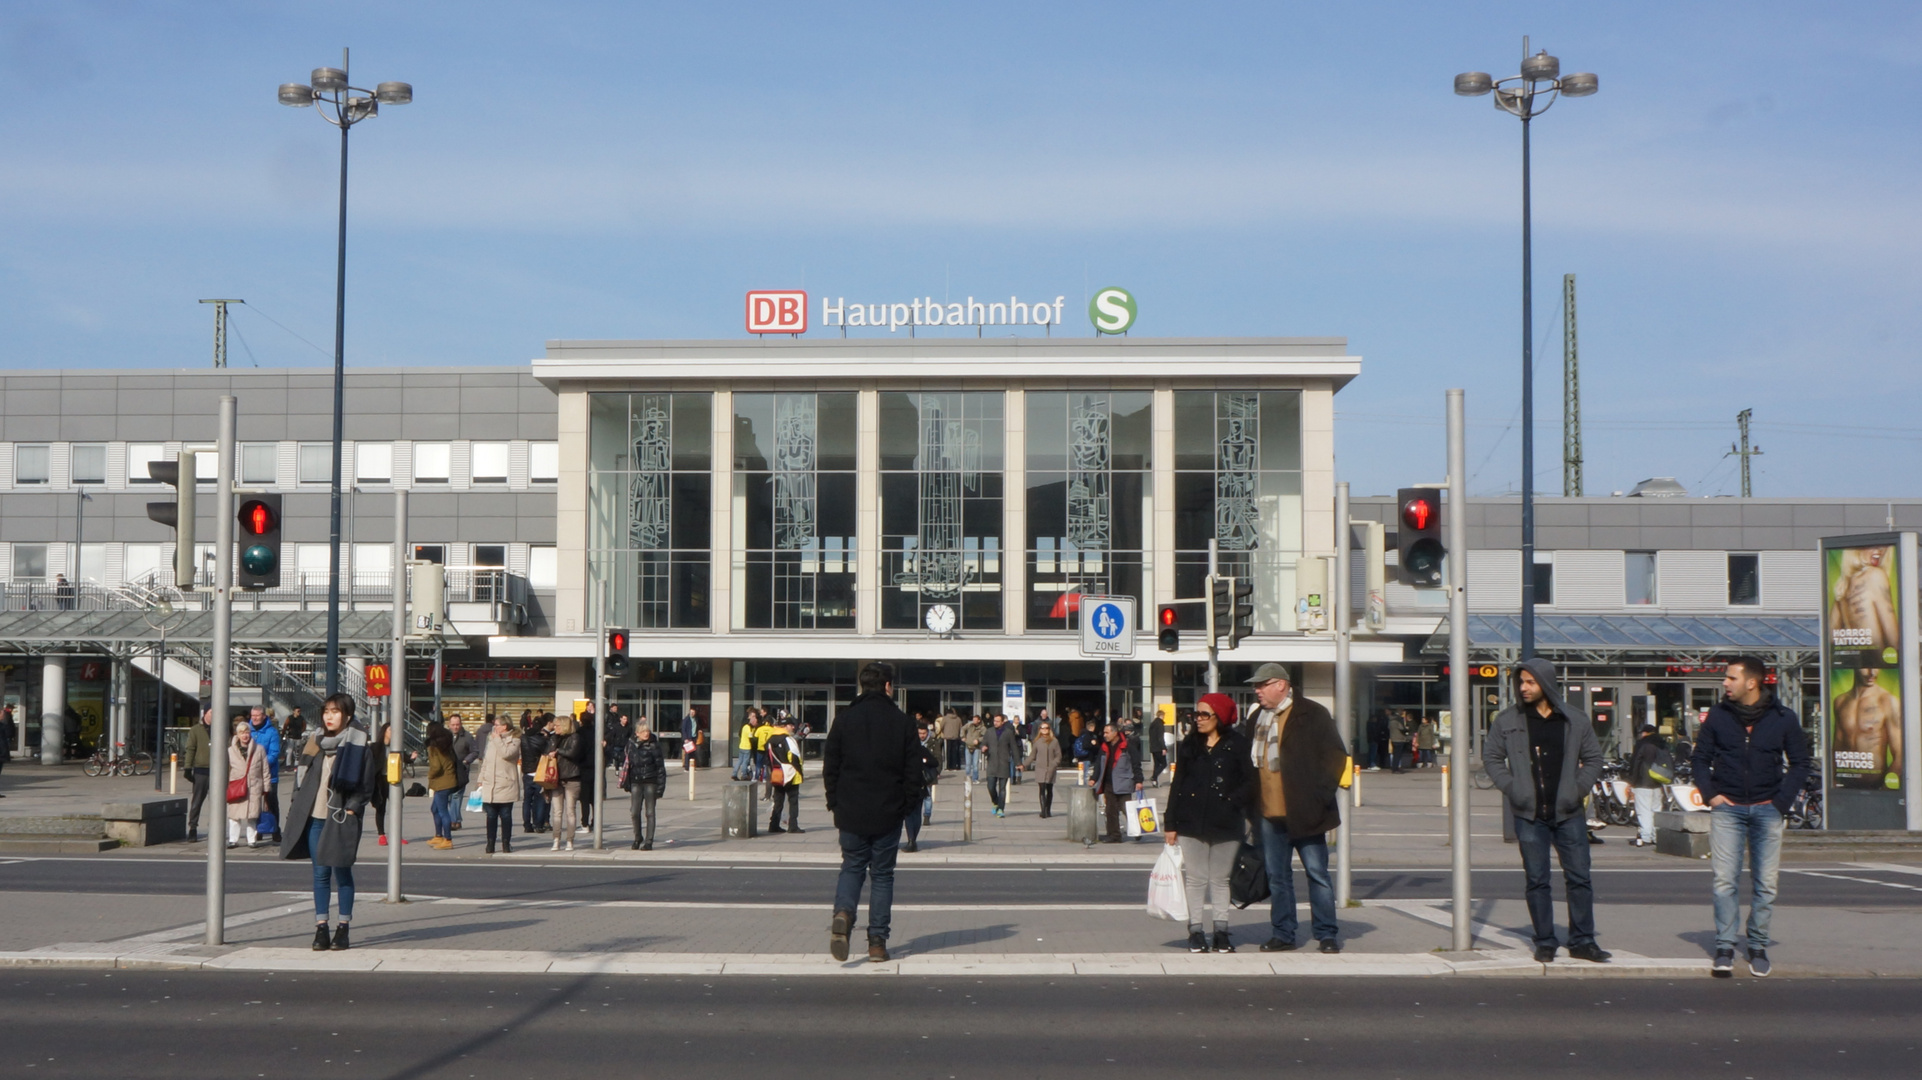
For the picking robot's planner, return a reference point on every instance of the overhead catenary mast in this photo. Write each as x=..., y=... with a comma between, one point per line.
x=1571, y=395
x=1742, y=449
x=220, y=329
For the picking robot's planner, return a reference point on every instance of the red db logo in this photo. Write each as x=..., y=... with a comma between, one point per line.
x=777, y=312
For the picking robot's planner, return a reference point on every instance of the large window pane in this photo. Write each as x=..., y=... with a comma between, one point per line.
x=1238, y=484
x=89, y=463
x=941, y=507
x=1088, y=455
x=650, y=506
x=794, y=510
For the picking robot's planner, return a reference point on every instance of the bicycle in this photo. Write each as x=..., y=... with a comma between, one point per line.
x=120, y=763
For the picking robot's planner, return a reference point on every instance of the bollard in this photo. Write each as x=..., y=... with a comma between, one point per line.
x=967, y=810
x=739, y=812
x=1444, y=785
x=173, y=774
x=1354, y=789
x=690, y=780
x=1083, y=818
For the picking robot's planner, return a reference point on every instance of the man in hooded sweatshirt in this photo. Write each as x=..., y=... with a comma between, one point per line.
x=1543, y=755
x=1739, y=759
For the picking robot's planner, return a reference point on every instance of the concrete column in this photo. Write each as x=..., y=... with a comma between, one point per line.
x=570, y=522
x=53, y=709
x=867, y=514
x=1163, y=531
x=570, y=682
x=724, y=533
x=1014, y=515
x=720, y=714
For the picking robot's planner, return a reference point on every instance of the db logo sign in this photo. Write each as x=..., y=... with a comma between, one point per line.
x=777, y=312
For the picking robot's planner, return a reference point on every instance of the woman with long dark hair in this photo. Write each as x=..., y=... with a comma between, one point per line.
x=443, y=780
x=340, y=769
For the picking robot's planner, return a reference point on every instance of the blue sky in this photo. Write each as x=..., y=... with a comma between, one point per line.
x=1739, y=203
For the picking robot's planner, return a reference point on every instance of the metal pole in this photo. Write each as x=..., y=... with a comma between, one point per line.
x=221, y=729
x=160, y=705
x=440, y=668
x=1214, y=653
x=397, y=701
x=1344, y=691
x=600, y=721
x=1455, y=519
x=340, y=395
x=1528, y=406
x=1107, y=683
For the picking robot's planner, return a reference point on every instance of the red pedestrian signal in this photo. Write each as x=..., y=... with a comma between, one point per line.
x=1169, y=638
x=1419, y=540
x=259, y=519
x=1417, y=513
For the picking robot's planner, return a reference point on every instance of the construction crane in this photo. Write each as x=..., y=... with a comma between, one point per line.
x=220, y=329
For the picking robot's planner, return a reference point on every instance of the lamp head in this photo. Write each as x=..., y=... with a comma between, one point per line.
x=299, y=95
x=329, y=80
x=394, y=93
x=360, y=108
x=1474, y=83
x=1580, y=84
x=1541, y=67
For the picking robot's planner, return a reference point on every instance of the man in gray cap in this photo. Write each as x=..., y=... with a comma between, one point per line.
x=1299, y=758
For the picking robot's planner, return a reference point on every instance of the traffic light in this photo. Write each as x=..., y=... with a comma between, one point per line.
x=1170, y=636
x=1241, y=610
x=1419, y=539
x=1221, y=620
x=259, y=542
x=179, y=514
x=616, y=653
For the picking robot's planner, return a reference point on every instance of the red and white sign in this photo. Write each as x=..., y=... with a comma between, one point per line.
x=376, y=680
x=783, y=312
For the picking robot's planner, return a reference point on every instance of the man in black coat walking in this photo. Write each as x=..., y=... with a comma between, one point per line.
x=871, y=773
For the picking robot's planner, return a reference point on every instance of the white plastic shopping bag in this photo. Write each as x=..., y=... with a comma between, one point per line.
x=1166, y=898
x=1144, y=818
x=474, y=802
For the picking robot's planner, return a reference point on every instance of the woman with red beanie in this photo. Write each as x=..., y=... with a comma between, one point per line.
x=1208, y=803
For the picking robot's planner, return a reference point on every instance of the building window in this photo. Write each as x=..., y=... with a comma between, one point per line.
x=941, y=496
x=29, y=562
x=316, y=463
x=543, y=568
x=89, y=463
x=139, y=456
x=433, y=553
x=794, y=511
x=1744, y=580
x=544, y=462
x=30, y=465
x=142, y=564
x=433, y=462
x=490, y=555
x=650, y=505
x=489, y=463
x=1238, y=482
x=259, y=463
x=1639, y=576
x=1544, y=579
x=310, y=564
x=1089, y=481
x=92, y=564
x=373, y=563
x=374, y=463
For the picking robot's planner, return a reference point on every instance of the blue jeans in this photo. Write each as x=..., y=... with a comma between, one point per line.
x=326, y=877
x=915, y=820
x=1569, y=838
x=744, y=765
x=974, y=765
x=1754, y=831
x=533, y=805
x=443, y=808
x=862, y=858
x=1278, y=850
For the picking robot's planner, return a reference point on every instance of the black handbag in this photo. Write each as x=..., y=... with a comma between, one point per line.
x=1248, y=882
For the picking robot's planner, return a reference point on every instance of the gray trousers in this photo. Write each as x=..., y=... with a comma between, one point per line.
x=1204, y=870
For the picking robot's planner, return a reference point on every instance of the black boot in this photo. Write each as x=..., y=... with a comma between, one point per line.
x=320, y=937
x=340, y=938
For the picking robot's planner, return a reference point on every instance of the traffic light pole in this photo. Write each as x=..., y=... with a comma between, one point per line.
x=1214, y=652
x=1344, y=689
x=600, y=720
x=221, y=729
x=397, y=702
x=1456, y=522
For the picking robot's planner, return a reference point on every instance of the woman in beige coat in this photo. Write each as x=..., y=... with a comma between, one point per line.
x=246, y=759
x=499, y=782
x=1044, y=757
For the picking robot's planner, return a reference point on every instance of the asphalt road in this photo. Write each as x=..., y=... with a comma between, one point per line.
x=261, y=872
x=395, y=1027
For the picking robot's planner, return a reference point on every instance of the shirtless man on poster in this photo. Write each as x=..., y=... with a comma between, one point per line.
x=1863, y=601
x=1868, y=723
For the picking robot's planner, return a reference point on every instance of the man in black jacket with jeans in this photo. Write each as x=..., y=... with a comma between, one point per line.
x=871, y=774
x=1739, y=755
x=1544, y=757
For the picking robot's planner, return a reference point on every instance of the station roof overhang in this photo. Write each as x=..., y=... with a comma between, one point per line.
x=615, y=363
x=46, y=631
x=1635, y=637
x=920, y=647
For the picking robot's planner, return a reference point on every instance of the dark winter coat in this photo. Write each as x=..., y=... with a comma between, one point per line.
x=1648, y=752
x=1510, y=761
x=1746, y=763
x=1213, y=789
x=1000, y=749
x=534, y=746
x=646, y=763
x=1312, y=761
x=871, y=767
x=572, y=756
x=340, y=832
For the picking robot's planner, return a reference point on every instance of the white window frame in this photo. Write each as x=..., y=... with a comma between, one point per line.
x=543, y=463
x=490, y=450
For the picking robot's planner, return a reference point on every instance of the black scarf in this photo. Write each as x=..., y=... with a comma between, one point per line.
x=1749, y=714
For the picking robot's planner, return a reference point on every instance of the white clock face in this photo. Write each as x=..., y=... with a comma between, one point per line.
x=940, y=618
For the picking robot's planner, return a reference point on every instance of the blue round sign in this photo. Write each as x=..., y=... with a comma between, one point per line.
x=1108, y=622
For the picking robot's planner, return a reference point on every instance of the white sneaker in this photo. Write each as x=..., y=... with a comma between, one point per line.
x=557, y=844
x=570, y=845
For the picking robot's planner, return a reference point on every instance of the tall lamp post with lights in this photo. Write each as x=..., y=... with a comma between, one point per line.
x=343, y=106
x=1526, y=96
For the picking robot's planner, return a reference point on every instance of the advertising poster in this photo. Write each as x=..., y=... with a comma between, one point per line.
x=1863, y=682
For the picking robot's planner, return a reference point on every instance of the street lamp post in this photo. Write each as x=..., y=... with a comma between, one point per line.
x=1527, y=96
x=343, y=106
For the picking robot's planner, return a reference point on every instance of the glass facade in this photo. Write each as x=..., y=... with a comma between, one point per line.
x=649, y=520
x=1089, y=462
x=794, y=497
x=1238, y=482
x=941, y=493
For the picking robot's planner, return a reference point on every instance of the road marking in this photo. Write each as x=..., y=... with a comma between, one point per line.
x=1886, y=868
x=1862, y=880
x=180, y=933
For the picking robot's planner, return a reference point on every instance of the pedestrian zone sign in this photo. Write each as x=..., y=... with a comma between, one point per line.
x=1108, y=627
